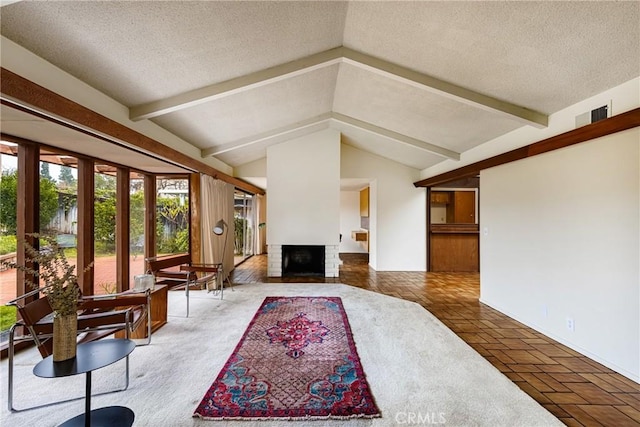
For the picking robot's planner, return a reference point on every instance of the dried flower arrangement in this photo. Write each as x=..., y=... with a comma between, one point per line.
x=60, y=283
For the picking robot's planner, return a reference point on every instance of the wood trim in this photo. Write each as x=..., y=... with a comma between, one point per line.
x=428, y=218
x=619, y=123
x=65, y=152
x=20, y=89
x=123, y=210
x=86, y=182
x=196, y=218
x=27, y=210
x=150, y=196
x=454, y=228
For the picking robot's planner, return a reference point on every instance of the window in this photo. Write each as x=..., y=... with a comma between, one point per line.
x=59, y=200
x=8, y=198
x=172, y=216
x=104, y=267
x=56, y=175
x=57, y=212
x=136, y=226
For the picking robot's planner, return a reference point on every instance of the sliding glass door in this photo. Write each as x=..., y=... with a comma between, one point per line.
x=245, y=226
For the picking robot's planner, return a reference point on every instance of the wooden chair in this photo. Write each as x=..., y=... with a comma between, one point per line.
x=177, y=271
x=98, y=316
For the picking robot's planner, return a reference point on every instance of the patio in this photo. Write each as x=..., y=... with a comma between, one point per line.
x=104, y=276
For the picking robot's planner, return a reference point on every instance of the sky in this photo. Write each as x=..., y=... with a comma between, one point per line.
x=11, y=162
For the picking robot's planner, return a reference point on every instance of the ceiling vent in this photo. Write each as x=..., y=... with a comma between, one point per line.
x=593, y=116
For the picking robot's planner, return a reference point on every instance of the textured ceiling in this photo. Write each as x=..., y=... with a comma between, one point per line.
x=255, y=111
x=540, y=56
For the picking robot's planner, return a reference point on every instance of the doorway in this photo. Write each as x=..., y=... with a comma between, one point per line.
x=244, y=218
x=453, y=228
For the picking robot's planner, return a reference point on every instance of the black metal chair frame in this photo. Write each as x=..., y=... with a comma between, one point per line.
x=93, y=323
x=179, y=272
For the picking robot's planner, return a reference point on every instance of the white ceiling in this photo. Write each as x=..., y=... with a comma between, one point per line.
x=416, y=82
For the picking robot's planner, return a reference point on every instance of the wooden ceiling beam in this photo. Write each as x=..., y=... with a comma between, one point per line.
x=236, y=85
x=309, y=125
x=445, y=89
x=327, y=58
x=312, y=125
x=398, y=137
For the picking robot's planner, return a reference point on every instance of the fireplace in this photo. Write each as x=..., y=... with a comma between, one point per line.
x=326, y=260
x=303, y=260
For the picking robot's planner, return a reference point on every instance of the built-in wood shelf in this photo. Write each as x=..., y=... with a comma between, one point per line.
x=360, y=236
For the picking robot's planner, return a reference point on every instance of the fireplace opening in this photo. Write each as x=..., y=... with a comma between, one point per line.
x=306, y=260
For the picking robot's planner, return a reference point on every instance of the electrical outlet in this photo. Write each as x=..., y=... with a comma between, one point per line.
x=545, y=311
x=571, y=324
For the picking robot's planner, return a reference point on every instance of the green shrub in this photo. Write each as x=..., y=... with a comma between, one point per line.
x=8, y=244
x=7, y=317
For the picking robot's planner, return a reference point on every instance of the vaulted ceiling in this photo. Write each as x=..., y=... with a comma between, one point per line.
x=415, y=82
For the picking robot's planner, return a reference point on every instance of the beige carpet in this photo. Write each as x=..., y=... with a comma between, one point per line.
x=420, y=372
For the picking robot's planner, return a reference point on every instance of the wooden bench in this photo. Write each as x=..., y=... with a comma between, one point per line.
x=177, y=271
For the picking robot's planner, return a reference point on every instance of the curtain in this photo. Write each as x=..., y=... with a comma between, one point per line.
x=217, y=204
x=261, y=212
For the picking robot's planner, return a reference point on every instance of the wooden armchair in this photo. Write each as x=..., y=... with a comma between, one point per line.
x=98, y=316
x=177, y=271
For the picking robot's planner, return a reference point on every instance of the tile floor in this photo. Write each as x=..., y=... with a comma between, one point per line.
x=576, y=389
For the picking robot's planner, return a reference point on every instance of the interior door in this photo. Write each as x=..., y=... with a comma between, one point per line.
x=465, y=207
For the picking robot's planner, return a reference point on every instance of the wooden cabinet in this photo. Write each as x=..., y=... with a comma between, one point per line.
x=364, y=202
x=158, y=314
x=440, y=197
x=454, y=248
x=460, y=206
x=453, y=243
x=159, y=307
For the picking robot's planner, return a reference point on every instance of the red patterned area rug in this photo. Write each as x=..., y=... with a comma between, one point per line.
x=296, y=361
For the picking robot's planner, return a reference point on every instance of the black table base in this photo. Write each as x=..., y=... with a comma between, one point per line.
x=89, y=357
x=110, y=416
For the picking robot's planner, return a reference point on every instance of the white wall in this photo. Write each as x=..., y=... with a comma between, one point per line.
x=563, y=241
x=397, y=217
x=303, y=178
x=350, y=221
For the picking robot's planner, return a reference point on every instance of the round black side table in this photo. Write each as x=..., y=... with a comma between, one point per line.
x=89, y=357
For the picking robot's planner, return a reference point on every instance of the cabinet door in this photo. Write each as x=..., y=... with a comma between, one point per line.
x=364, y=202
x=440, y=197
x=465, y=207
